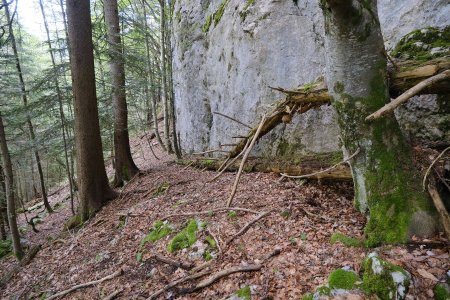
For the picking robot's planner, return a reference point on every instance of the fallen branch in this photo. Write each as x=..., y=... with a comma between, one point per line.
x=207, y=212
x=172, y=262
x=83, y=285
x=431, y=166
x=227, y=272
x=408, y=95
x=232, y=119
x=221, y=171
x=440, y=207
x=326, y=170
x=25, y=261
x=177, y=282
x=247, y=152
x=247, y=226
x=210, y=151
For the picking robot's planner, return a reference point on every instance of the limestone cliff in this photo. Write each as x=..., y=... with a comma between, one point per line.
x=228, y=52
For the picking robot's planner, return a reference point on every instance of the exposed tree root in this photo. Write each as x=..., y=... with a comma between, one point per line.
x=207, y=212
x=83, y=285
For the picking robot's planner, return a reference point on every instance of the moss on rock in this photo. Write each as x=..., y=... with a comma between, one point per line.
x=424, y=44
x=384, y=279
x=342, y=279
x=185, y=238
x=216, y=16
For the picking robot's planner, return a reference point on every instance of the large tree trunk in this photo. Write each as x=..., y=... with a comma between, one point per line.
x=93, y=186
x=10, y=203
x=386, y=182
x=25, y=103
x=124, y=165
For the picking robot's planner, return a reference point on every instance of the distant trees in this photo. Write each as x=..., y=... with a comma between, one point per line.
x=93, y=186
x=386, y=183
x=25, y=104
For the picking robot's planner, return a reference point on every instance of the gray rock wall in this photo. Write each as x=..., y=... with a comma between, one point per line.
x=229, y=67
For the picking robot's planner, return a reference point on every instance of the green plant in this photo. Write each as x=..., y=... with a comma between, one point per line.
x=185, y=238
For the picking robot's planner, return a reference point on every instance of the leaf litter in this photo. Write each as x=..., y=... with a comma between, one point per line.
x=303, y=218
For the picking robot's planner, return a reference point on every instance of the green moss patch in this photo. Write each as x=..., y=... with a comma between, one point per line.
x=244, y=293
x=424, y=44
x=215, y=17
x=347, y=241
x=160, y=229
x=442, y=291
x=161, y=189
x=185, y=238
x=342, y=279
x=384, y=279
x=5, y=248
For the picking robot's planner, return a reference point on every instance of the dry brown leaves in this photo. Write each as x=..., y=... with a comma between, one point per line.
x=108, y=243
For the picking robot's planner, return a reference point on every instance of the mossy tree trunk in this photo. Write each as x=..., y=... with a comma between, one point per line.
x=93, y=186
x=125, y=168
x=386, y=183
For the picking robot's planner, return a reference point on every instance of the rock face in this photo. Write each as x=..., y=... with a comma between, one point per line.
x=228, y=52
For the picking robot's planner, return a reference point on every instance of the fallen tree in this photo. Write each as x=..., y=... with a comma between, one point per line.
x=402, y=77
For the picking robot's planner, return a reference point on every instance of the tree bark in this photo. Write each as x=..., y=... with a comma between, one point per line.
x=93, y=186
x=3, y=220
x=386, y=182
x=125, y=168
x=10, y=202
x=25, y=103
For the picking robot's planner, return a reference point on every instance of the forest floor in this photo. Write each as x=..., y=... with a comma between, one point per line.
x=301, y=218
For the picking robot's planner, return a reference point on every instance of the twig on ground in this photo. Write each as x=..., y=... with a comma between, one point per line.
x=408, y=94
x=215, y=239
x=313, y=215
x=177, y=282
x=83, y=285
x=432, y=164
x=113, y=295
x=323, y=171
x=206, y=212
x=232, y=119
x=172, y=262
x=241, y=167
x=247, y=226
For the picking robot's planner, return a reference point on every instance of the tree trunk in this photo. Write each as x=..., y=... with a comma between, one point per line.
x=60, y=102
x=93, y=186
x=386, y=183
x=163, y=69
x=152, y=81
x=3, y=220
x=25, y=103
x=124, y=165
x=10, y=203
